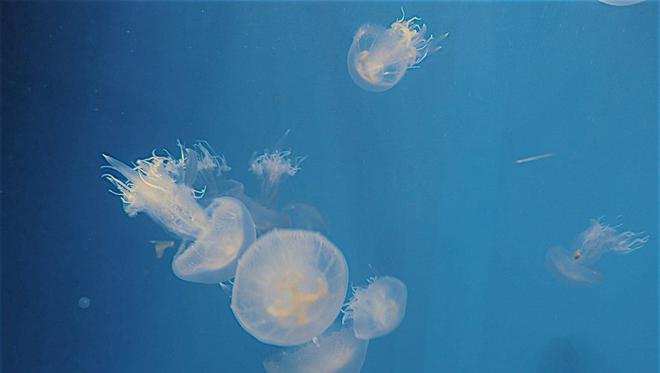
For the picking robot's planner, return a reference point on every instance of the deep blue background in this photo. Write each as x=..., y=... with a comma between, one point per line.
x=419, y=182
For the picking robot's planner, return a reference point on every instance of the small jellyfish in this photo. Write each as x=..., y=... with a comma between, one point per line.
x=377, y=309
x=84, y=302
x=289, y=287
x=271, y=167
x=211, y=258
x=595, y=241
x=379, y=57
x=335, y=351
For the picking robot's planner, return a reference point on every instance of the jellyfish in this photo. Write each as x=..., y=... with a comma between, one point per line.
x=289, y=287
x=213, y=231
x=379, y=57
x=335, y=351
x=211, y=258
x=598, y=239
x=272, y=167
x=162, y=187
x=620, y=2
x=377, y=309
x=151, y=187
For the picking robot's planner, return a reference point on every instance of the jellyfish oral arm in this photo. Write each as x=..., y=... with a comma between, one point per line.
x=299, y=302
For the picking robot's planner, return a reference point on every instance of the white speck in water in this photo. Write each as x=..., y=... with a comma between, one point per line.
x=84, y=302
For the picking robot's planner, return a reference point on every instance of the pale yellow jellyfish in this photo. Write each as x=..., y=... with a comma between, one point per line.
x=289, y=287
x=211, y=257
x=377, y=309
x=335, y=351
x=379, y=57
x=594, y=242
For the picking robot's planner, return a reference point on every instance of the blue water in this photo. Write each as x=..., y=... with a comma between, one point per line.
x=418, y=182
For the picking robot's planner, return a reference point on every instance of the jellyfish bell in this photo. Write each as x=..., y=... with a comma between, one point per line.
x=289, y=287
x=379, y=308
x=368, y=69
x=620, y=2
x=335, y=351
x=379, y=57
x=594, y=242
x=211, y=257
x=569, y=266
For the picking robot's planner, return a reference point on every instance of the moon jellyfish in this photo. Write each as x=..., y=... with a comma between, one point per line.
x=336, y=351
x=289, y=287
x=377, y=309
x=379, y=57
x=163, y=187
x=211, y=258
x=595, y=241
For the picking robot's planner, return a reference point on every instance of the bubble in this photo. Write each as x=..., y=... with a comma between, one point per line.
x=84, y=302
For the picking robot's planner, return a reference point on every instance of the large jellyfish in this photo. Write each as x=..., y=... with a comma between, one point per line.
x=335, y=351
x=213, y=237
x=595, y=241
x=289, y=287
x=377, y=309
x=379, y=57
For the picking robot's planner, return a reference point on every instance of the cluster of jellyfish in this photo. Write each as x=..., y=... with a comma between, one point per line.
x=287, y=282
